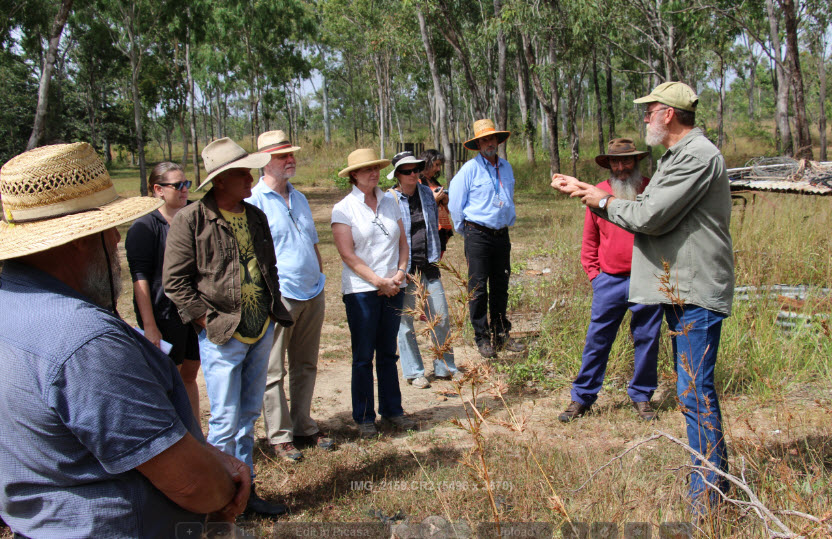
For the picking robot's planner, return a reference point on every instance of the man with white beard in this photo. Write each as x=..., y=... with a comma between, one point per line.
x=606, y=253
x=683, y=259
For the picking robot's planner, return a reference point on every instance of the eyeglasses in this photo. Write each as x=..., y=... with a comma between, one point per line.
x=378, y=222
x=409, y=171
x=648, y=114
x=179, y=186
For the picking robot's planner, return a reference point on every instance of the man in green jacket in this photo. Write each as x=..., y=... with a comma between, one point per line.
x=220, y=272
x=683, y=259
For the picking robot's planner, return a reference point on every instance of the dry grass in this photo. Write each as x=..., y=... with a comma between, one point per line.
x=774, y=387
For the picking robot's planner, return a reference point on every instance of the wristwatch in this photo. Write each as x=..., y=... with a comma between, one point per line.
x=603, y=203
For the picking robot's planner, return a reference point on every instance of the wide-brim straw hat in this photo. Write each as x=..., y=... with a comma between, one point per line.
x=225, y=154
x=484, y=128
x=275, y=143
x=55, y=194
x=620, y=147
x=360, y=158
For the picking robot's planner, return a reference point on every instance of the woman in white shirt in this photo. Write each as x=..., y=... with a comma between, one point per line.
x=368, y=233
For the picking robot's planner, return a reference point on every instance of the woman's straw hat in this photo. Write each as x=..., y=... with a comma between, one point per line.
x=225, y=154
x=363, y=157
x=484, y=128
x=275, y=143
x=55, y=194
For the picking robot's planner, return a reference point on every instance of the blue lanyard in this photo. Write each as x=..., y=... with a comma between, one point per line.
x=498, y=183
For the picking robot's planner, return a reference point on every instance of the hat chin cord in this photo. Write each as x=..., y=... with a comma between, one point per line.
x=110, y=275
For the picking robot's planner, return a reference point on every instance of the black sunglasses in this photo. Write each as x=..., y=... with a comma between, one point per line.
x=410, y=171
x=178, y=185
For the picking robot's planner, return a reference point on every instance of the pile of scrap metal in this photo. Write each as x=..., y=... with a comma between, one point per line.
x=783, y=174
x=800, y=305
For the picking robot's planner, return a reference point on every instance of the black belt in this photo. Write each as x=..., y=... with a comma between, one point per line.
x=490, y=231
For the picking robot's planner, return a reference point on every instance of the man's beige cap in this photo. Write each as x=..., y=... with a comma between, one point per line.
x=673, y=94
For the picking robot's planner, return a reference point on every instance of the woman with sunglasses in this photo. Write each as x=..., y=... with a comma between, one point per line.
x=145, y=246
x=420, y=217
x=368, y=233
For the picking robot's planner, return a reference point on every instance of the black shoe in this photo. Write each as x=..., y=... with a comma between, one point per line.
x=510, y=345
x=319, y=440
x=572, y=412
x=645, y=411
x=486, y=350
x=259, y=506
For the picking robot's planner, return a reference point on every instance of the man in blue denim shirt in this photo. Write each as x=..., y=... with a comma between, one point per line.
x=300, y=270
x=482, y=208
x=98, y=436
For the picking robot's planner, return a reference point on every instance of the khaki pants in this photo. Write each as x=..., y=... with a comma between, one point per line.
x=301, y=343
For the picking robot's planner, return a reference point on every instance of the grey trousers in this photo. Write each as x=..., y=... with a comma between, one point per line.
x=300, y=343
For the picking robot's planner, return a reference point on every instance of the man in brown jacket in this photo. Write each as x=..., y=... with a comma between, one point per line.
x=220, y=273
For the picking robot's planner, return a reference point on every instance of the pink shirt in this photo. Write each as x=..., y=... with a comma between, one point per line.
x=606, y=247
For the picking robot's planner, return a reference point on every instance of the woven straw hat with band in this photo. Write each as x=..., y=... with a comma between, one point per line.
x=275, y=142
x=55, y=194
x=224, y=154
x=483, y=128
x=363, y=157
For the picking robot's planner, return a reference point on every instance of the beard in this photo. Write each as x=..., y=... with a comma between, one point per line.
x=655, y=133
x=628, y=188
x=96, y=284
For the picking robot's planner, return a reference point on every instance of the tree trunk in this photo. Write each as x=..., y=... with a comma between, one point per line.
x=38, y=127
x=192, y=107
x=782, y=109
x=822, y=97
x=549, y=103
x=135, y=66
x=610, y=104
x=804, y=138
x=439, y=98
x=449, y=32
x=599, y=113
x=720, y=108
x=327, y=122
x=523, y=94
x=502, y=101
x=382, y=116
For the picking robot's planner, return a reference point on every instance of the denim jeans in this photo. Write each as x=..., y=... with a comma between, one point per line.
x=489, y=268
x=695, y=352
x=609, y=304
x=437, y=306
x=373, y=322
x=235, y=377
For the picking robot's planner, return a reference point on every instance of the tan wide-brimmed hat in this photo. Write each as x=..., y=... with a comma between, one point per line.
x=225, y=154
x=55, y=194
x=483, y=128
x=360, y=158
x=620, y=147
x=275, y=142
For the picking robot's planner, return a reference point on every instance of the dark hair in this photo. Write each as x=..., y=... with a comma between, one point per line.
x=159, y=171
x=431, y=156
x=685, y=117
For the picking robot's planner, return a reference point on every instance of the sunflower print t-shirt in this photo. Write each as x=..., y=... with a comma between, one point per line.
x=254, y=316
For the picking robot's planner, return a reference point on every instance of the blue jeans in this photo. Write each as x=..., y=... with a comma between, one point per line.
x=609, y=304
x=235, y=377
x=374, y=321
x=437, y=306
x=695, y=358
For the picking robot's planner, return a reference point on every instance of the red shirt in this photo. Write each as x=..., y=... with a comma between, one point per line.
x=606, y=247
